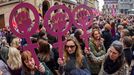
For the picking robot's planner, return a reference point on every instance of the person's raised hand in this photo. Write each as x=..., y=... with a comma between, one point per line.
x=61, y=61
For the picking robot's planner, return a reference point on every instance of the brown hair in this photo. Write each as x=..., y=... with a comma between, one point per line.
x=44, y=46
x=93, y=31
x=25, y=56
x=107, y=27
x=127, y=41
x=125, y=32
x=44, y=50
x=78, y=52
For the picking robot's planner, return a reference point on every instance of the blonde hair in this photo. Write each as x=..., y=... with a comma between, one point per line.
x=14, y=58
x=15, y=42
x=78, y=52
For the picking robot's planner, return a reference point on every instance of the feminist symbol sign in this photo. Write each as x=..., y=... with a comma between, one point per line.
x=57, y=24
x=83, y=18
x=24, y=26
x=94, y=12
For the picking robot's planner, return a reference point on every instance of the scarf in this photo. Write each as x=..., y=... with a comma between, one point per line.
x=110, y=66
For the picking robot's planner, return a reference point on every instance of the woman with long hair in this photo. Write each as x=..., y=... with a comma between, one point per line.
x=46, y=55
x=113, y=62
x=73, y=59
x=14, y=61
x=16, y=42
x=29, y=67
x=107, y=36
x=97, y=48
x=77, y=35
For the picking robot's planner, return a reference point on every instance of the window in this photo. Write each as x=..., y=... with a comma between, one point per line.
x=2, y=21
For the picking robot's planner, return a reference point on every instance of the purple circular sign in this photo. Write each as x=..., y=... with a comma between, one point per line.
x=80, y=11
x=83, y=18
x=24, y=22
x=61, y=24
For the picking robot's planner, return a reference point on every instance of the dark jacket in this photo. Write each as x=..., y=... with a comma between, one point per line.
x=128, y=55
x=71, y=65
x=47, y=71
x=106, y=34
x=15, y=71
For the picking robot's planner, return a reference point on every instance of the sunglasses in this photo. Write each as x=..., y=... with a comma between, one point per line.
x=71, y=46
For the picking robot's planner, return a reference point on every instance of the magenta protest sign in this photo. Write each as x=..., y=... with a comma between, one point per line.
x=83, y=18
x=25, y=27
x=94, y=12
x=57, y=24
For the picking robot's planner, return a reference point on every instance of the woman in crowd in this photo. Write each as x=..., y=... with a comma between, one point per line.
x=127, y=42
x=29, y=67
x=73, y=62
x=44, y=51
x=45, y=54
x=124, y=33
x=77, y=35
x=4, y=68
x=4, y=49
x=113, y=29
x=11, y=59
x=118, y=32
x=113, y=63
x=97, y=48
x=16, y=42
x=14, y=61
x=96, y=43
x=107, y=36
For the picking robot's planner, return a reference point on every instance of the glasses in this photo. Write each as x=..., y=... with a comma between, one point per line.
x=71, y=46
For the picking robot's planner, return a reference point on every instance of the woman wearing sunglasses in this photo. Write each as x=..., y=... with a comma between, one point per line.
x=73, y=62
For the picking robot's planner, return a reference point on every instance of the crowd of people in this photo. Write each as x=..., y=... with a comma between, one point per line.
x=110, y=52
